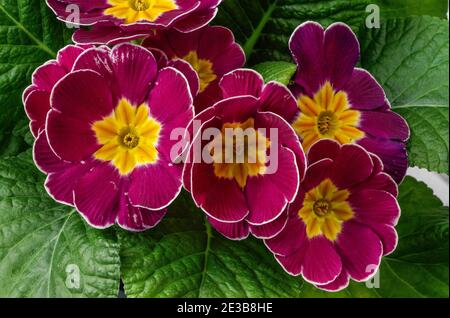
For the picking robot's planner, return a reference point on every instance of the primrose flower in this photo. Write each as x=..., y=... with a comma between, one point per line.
x=254, y=161
x=211, y=51
x=338, y=101
x=342, y=220
x=118, y=20
x=106, y=141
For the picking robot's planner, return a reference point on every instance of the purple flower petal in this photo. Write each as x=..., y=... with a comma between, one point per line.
x=345, y=175
x=68, y=123
x=190, y=74
x=360, y=249
x=242, y=82
x=233, y=231
x=44, y=157
x=285, y=134
x=292, y=263
x=316, y=173
x=291, y=239
x=325, y=148
x=375, y=207
x=321, y=263
x=272, y=229
x=340, y=283
x=363, y=91
x=279, y=188
x=155, y=186
x=135, y=70
x=392, y=153
x=341, y=54
x=213, y=195
x=384, y=124
x=237, y=109
x=69, y=54
x=195, y=20
x=46, y=76
x=388, y=236
x=137, y=219
x=96, y=195
x=37, y=104
x=307, y=47
x=107, y=34
x=276, y=98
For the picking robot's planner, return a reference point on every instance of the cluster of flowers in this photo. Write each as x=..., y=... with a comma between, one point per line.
x=103, y=116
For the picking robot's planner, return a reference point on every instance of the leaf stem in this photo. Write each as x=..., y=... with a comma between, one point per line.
x=253, y=39
x=40, y=44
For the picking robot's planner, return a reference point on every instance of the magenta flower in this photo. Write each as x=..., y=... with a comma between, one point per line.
x=246, y=196
x=342, y=221
x=119, y=20
x=338, y=101
x=211, y=51
x=106, y=142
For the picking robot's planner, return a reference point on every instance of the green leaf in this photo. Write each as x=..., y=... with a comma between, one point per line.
x=409, y=57
x=184, y=257
x=29, y=36
x=419, y=265
x=263, y=27
x=281, y=72
x=45, y=245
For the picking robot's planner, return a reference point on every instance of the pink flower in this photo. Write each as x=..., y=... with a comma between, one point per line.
x=106, y=142
x=113, y=21
x=211, y=51
x=342, y=220
x=246, y=196
x=338, y=101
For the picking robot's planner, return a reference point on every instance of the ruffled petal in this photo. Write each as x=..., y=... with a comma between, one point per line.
x=233, y=231
x=363, y=91
x=321, y=263
x=97, y=195
x=360, y=249
x=341, y=54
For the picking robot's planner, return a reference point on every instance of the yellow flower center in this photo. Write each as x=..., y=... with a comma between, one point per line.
x=325, y=208
x=139, y=10
x=327, y=115
x=128, y=137
x=204, y=69
x=239, y=152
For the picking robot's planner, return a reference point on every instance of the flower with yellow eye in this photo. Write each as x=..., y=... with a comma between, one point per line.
x=106, y=143
x=257, y=162
x=342, y=220
x=112, y=21
x=338, y=101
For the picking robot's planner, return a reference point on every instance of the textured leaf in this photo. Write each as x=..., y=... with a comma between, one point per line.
x=184, y=257
x=281, y=72
x=410, y=59
x=44, y=244
x=263, y=27
x=419, y=266
x=29, y=36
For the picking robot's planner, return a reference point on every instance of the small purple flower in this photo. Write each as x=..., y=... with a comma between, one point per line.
x=211, y=51
x=343, y=219
x=338, y=101
x=113, y=21
x=106, y=141
x=240, y=197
